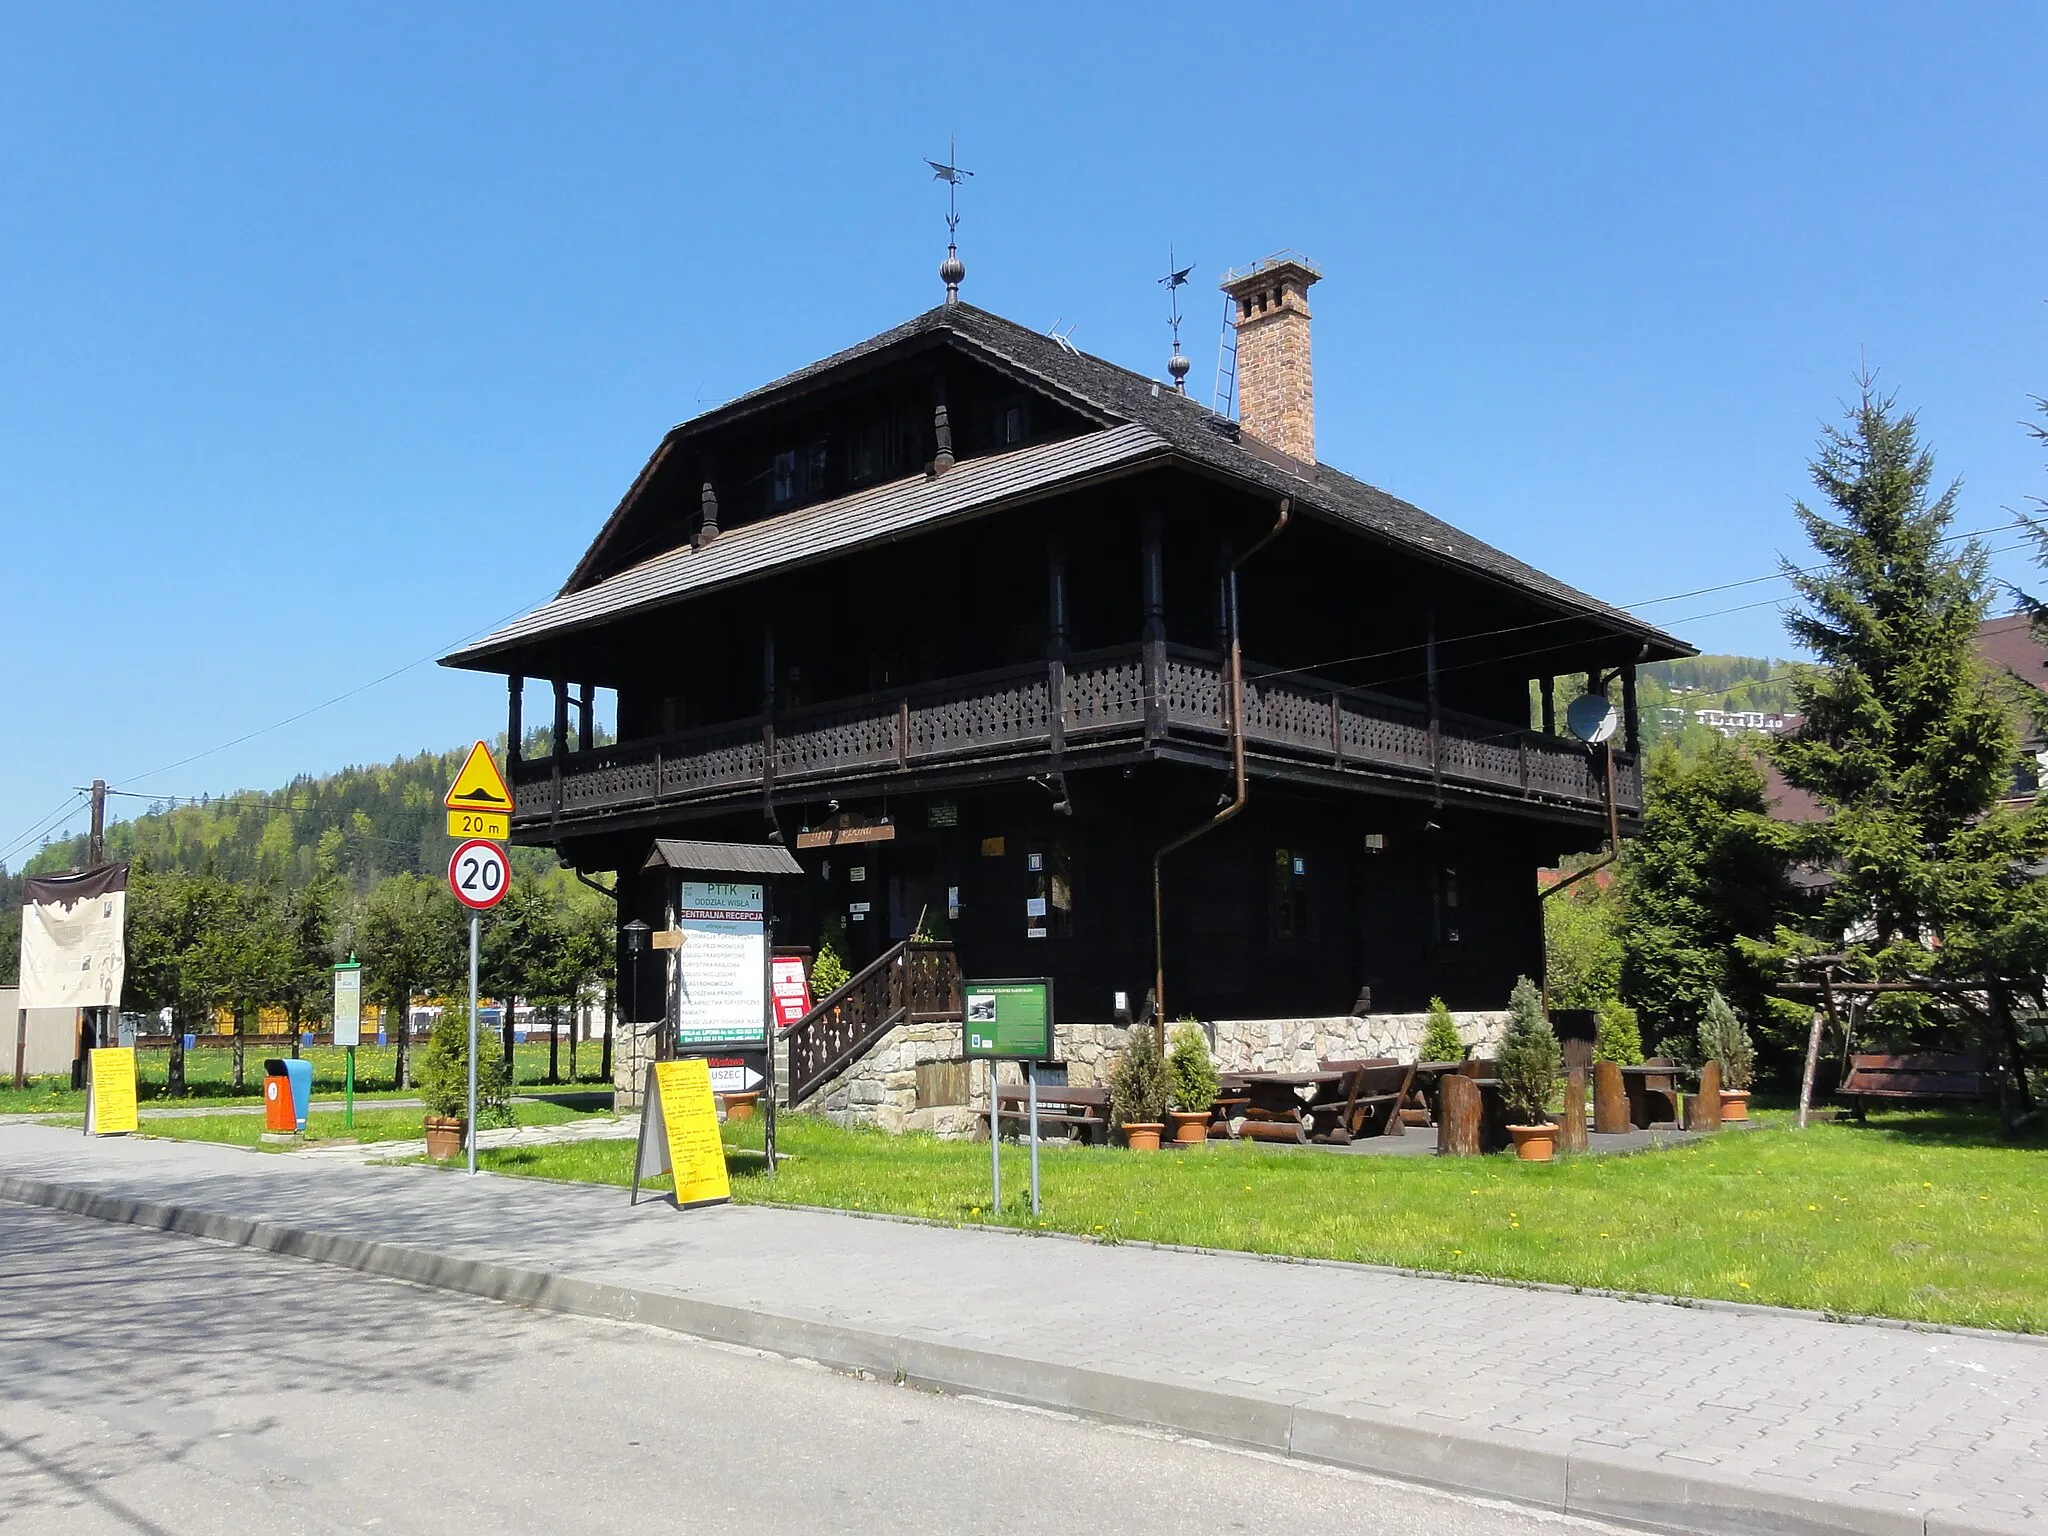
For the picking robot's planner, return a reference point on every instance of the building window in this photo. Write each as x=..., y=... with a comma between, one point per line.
x=1290, y=908
x=782, y=480
x=814, y=478
x=1448, y=917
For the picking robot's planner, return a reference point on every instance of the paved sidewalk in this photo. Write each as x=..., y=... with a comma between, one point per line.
x=1683, y=1418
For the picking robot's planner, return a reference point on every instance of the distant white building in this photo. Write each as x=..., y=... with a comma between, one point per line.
x=1731, y=722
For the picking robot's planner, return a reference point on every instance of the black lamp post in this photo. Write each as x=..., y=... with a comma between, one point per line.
x=635, y=934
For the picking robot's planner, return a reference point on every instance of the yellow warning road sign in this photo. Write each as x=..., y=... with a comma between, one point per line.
x=479, y=787
x=492, y=824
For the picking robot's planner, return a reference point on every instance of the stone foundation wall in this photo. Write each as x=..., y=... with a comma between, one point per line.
x=632, y=1053
x=882, y=1088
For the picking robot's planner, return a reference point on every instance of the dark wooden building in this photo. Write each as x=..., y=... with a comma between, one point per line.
x=950, y=614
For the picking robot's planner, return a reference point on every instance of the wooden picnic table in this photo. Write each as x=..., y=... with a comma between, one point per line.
x=1333, y=1103
x=1428, y=1074
x=1651, y=1087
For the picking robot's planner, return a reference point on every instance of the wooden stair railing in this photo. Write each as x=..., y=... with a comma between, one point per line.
x=911, y=982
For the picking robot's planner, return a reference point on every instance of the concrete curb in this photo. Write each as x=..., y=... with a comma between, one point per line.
x=1611, y=1486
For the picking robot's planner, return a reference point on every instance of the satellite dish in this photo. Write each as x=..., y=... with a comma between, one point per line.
x=1591, y=718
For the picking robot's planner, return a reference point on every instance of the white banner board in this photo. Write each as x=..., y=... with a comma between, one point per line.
x=72, y=953
x=721, y=964
x=348, y=1005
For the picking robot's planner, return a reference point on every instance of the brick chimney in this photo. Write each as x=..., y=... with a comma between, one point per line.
x=1276, y=390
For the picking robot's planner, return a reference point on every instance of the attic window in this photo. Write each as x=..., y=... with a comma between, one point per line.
x=782, y=482
x=1013, y=424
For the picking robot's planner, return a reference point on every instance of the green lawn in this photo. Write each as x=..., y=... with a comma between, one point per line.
x=371, y=1124
x=209, y=1075
x=1920, y=1216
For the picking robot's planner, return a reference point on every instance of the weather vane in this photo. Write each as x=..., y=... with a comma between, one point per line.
x=952, y=269
x=1175, y=279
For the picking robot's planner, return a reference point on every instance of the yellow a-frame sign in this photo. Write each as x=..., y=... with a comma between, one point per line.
x=479, y=787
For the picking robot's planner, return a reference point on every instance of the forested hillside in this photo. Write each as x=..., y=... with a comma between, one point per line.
x=357, y=828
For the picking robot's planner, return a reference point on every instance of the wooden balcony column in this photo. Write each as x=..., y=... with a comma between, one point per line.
x=586, y=730
x=558, y=745
x=1056, y=640
x=1549, y=704
x=1152, y=661
x=515, y=696
x=768, y=716
x=1436, y=725
x=1631, y=718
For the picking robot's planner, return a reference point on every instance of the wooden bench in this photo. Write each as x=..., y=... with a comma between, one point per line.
x=1925, y=1076
x=1084, y=1111
x=1367, y=1104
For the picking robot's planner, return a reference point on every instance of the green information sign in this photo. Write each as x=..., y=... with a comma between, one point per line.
x=1010, y=1020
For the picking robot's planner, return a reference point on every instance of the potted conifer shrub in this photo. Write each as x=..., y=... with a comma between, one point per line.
x=1526, y=1063
x=444, y=1086
x=1725, y=1038
x=1191, y=1084
x=1138, y=1092
x=1619, y=1037
x=1440, y=1040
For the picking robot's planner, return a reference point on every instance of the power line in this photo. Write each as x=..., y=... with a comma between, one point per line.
x=63, y=813
x=1578, y=618
x=374, y=682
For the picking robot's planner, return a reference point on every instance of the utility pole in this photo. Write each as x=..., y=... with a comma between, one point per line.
x=96, y=844
x=95, y=856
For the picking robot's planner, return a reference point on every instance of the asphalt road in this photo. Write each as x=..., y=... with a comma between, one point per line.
x=160, y=1384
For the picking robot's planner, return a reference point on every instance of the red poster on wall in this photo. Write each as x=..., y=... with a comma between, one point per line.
x=792, y=989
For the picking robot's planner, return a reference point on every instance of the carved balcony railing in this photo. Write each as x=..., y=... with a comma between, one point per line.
x=911, y=983
x=1085, y=701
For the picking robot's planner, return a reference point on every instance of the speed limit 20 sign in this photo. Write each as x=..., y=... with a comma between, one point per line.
x=478, y=874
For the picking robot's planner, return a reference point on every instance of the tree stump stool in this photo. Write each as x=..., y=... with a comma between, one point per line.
x=1458, y=1113
x=1610, y=1099
x=1703, y=1109
x=1571, y=1125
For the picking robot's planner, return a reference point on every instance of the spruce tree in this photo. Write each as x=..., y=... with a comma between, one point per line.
x=1905, y=740
x=1706, y=872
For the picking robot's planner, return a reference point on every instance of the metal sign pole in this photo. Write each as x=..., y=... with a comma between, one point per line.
x=995, y=1140
x=348, y=1110
x=471, y=1138
x=768, y=1020
x=1031, y=1078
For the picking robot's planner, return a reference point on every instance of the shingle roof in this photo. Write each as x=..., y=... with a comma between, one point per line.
x=970, y=489
x=1170, y=422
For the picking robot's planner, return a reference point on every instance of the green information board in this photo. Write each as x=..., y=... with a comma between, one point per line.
x=1011, y=1020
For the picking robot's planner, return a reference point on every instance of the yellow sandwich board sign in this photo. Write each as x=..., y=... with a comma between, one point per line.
x=110, y=1091
x=479, y=787
x=679, y=1134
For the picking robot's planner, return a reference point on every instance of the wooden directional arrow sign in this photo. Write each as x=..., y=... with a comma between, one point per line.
x=479, y=787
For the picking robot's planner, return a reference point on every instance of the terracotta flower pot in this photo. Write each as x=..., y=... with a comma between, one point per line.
x=1734, y=1105
x=1143, y=1135
x=1190, y=1127
x=740, y=1106
x=444, y=1138
x=1534, y=1143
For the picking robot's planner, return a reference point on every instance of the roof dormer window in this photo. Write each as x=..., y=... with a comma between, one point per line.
x=782, y=480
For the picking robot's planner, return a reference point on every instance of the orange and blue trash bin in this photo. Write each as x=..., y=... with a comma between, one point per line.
x=287, y=1095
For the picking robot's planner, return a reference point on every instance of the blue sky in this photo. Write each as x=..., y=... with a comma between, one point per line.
x=329, y=335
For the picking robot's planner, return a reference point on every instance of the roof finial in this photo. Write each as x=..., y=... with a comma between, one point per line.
x=952, y=269
x=1177, y=365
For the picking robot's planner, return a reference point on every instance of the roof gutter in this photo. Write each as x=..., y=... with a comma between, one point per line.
x=1240, y=787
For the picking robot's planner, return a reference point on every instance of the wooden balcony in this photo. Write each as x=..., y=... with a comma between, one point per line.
x=1091, y=707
